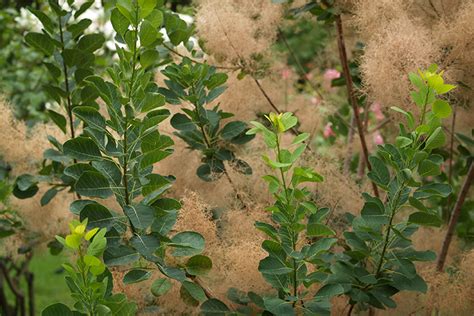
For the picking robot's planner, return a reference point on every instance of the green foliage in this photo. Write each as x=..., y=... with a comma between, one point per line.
x=69, y=58
x=21, y=72
x=118, y=147
x=202, y=128
x=286, y=267
x=88, y=279
x=379, y=257
x=120, y=150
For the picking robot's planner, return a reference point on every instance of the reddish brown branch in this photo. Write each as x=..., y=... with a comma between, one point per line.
x=352, y=96
x=454, y=218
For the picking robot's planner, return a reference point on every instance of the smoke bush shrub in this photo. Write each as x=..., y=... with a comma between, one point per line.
x=378, y=260
x=294, y=216
x=69, y=58
x=115, y=153
x=200, y=127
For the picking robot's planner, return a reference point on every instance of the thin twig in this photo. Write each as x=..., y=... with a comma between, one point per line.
x=454, y=218
x=298, y=63
x=451, y=147
x=451, y=154
x=361, y=166
x=379, y=126
x=13, y=287
x=239, y=197
x=197, y=61
x=351, y=95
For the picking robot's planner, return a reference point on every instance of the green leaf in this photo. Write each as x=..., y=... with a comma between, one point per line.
x=241, y=166
x=119, y=22
x=403, y=142
x=44, y=19
x=93, y=184
x=41, y=42
x=216, y=80
x=441, y=108
x=96, y=214
x=182, y=123
x=233, y=129
x=187, y=244
x=214, y=307
x=275, y=164
x=90, y=116
x=429, y=167
x=379, y=173
x=86, y=5
x=152, y=157
x=433, y=189
x=288, y=120
x=148, y=33
x=198, y=265
x=82, y=148
x=437, y=139
x=120, y=255
x=146, y=245
x=425, y=219
x=194, y=290
x=373, y=213
x=152, y=101
x=57, y=309
x=317, y=230
x=160, y=287
x=149, y=57
x=321, y=245
x=300, y=138
x=136, y=275
x=330, y=290
x=146, y=7
x=408, y=115
x=73, y=241
x=267, y=229
x=302, y=174
x=415, y=80
x=48, y=196
x=403, y=283
x=120, y=306
x=155, y=18
x=91, y=42
x=417, y=204
x=273, y=266
x=58, y=119
x=76, y=170
x=445, y=88
x=278, y=306
x=79, y=27
x=140, y=215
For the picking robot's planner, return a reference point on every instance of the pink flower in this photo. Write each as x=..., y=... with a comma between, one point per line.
x=376, y=108
x=328, y=131
x=378, y=139
x=328, y=77
x=331, y=74
x=286, y=73
x=315, y=101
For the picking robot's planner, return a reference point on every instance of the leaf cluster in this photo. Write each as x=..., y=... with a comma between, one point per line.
x=379, y=258
x=88, y=279
x=294, y=216
x=201, y=127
